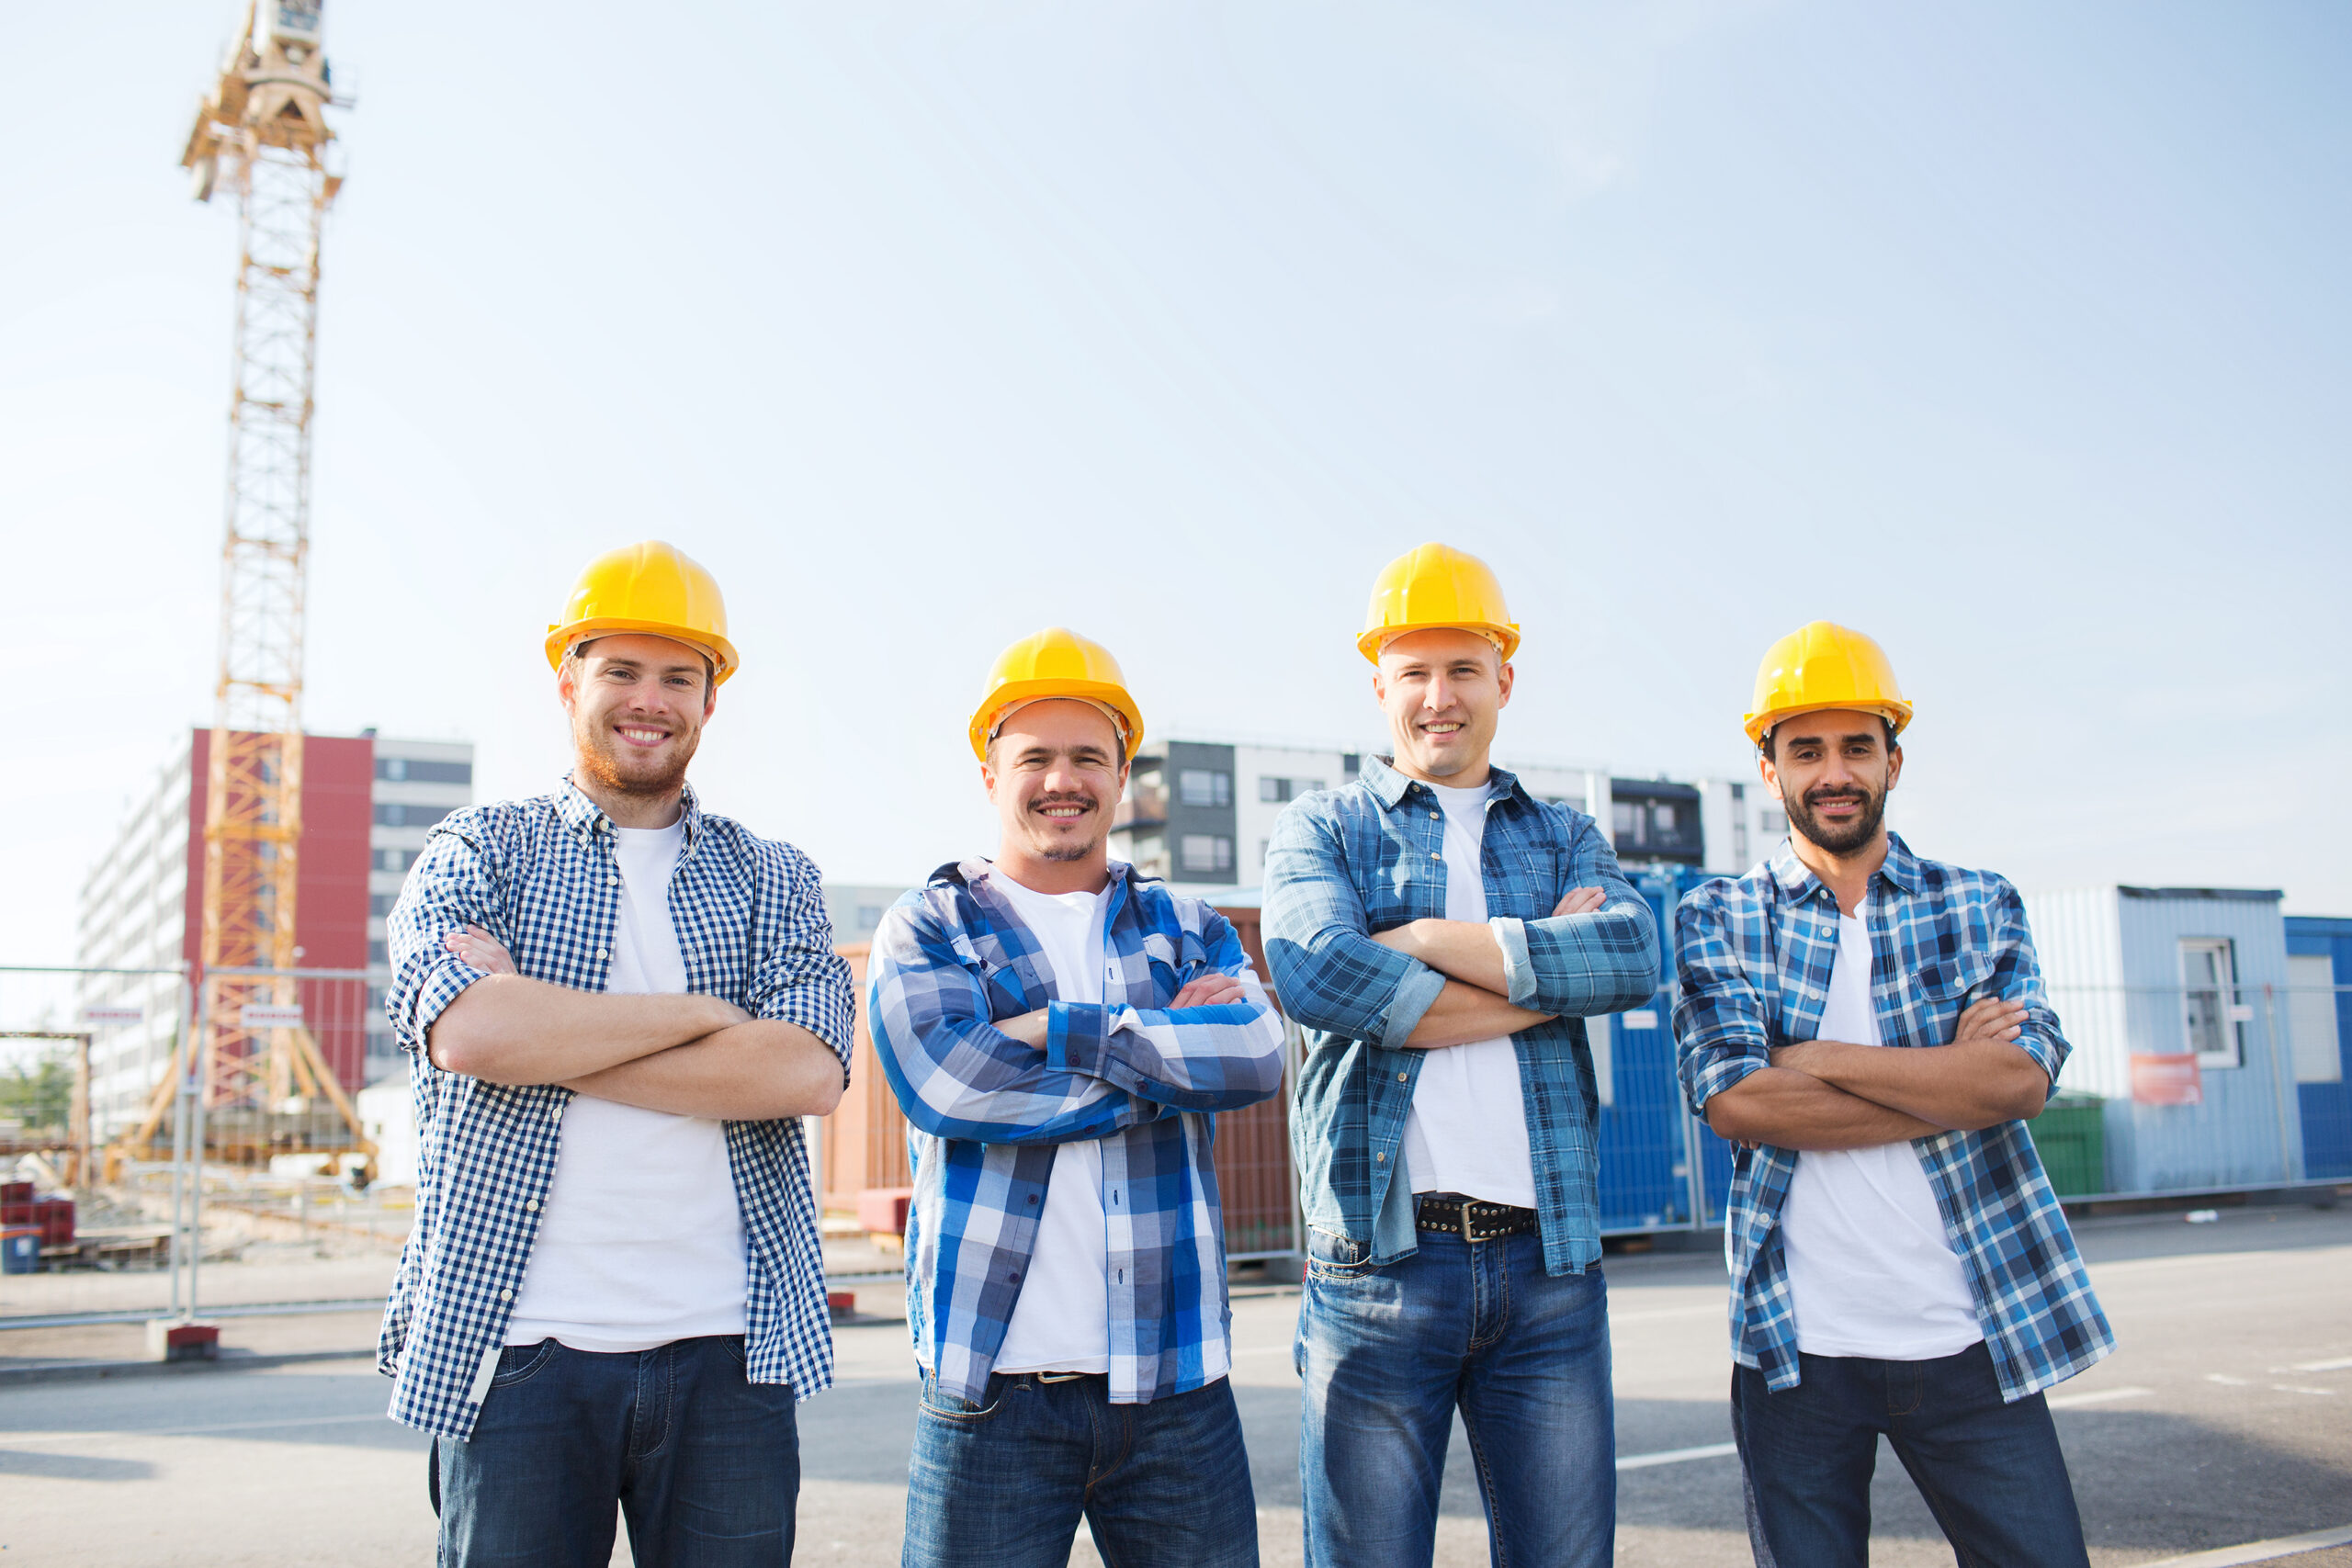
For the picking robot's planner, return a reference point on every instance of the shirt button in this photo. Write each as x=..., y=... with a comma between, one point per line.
x=1434, y=856
x=532, y=1204
x=505, y=1295
x=601, y=953
x=555, y=1113
x=1383, y=1159
x=1401, y=1078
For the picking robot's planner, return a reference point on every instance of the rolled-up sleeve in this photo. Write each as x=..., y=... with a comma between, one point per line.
x=1581, y=966
x=2017, y=977
x=796, y=976
x=1329, y=973
x=1719, y=1030
x=1199, y=1058
x=451, y=887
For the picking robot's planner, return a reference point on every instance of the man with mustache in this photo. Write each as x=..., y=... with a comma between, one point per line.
x=1871, y=1028
x=1059, y=1032
x=619, y=1006
x=1442, y=935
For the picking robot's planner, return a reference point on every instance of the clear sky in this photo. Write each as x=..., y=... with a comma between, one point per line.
x=2012, y=333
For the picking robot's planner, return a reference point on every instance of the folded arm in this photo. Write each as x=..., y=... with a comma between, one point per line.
x=760, y=1070
x=1983, y=1078
x=1794, y=1110
x=957, y=1074
x=506, y=1028
x=1333, y=976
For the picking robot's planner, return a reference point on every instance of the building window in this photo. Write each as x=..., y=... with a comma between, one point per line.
x=378, y=953
x=1352, y=763
x=382, y=903
x=411, y=769
x=1205, y=851
x=1774, y=821
x=1627, y=818
x=391, y=813
x=1204, y=786
x=2209, y=1001
x=1272, y=789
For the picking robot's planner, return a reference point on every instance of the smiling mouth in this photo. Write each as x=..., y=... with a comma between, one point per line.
x=1063, y=811
x=639, y=735
x=1444, y=729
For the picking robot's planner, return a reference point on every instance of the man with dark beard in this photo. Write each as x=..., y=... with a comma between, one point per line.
x=619, y=1006
x=1872, y=1028
x=1059, y=1032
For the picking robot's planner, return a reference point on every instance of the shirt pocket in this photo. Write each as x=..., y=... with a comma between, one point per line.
x=1175, y=959
x=1943, y=989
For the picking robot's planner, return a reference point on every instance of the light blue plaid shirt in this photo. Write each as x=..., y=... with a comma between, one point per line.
x=1346, y=864
x=539, y=876
x=985, y=1113
x=1755, y=957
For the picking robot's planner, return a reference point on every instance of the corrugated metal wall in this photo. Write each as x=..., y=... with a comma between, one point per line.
x=2076, y=935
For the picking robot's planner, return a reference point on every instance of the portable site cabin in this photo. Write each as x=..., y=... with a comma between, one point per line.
x=2319, y=970
x=2174, y=1001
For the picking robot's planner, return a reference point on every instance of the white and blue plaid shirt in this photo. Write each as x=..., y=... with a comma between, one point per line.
x=540, y=876
x=986, y=1112
x=1755, y=957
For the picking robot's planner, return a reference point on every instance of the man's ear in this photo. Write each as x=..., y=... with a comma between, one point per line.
x=1893, y=764
x=1504, y=674
x=1769, y=774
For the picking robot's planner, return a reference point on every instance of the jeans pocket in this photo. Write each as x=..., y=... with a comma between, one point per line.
x=943, y=1405
x=733, y=1345
x=1335, y=1259
x=517, y=1362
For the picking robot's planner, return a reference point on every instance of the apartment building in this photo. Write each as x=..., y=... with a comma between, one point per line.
x=366, y=802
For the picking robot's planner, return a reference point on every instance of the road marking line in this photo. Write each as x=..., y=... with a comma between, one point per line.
x=1676, y=1456
x=2260, y=1551
x=13, y=1439
x=2226, y=1381
x=2096, y=1396
x=2291, y=1388
x=2337, y=1365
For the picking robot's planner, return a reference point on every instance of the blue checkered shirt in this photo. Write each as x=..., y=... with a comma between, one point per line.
x=540, y=876
x=1345, y=864
x=985, y=1113
x=1755, y=957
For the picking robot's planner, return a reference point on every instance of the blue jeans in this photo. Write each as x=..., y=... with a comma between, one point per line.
x=1004, y=1482
x=704, y=1463
x=1389, y=1354
x=1991, y=1471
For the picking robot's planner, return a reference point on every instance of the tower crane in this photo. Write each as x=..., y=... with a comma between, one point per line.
x=262, y=1084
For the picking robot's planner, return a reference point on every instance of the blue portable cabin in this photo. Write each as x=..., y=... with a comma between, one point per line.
x=2176, y=972
x=2319, y=1006
x=1647, y=1140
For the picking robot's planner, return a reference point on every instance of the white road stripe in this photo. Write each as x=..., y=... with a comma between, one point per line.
x=1676, y=1456
x=2291, y=1388
x=2260, y=1551
x=2096, y=1396
x=2337, y=1365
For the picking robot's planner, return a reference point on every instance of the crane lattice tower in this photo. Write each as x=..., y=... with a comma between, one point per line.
x=262, y=130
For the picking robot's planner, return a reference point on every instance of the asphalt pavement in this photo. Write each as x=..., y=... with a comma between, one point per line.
x=2225, y=1418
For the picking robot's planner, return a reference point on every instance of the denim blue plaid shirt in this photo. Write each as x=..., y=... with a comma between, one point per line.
x=1346, y=864
x=985, y=1113
x=1755, y=957
x=539, y=876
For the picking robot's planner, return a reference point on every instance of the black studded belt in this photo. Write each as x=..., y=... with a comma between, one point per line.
x=1470, y=1219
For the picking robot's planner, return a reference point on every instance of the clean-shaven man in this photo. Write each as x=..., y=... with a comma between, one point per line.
x=1871, y=1028
x=620, y=1006
x=1442, y=935
x=1059, y=1032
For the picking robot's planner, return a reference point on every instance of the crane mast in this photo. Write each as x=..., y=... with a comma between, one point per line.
x=262, y=131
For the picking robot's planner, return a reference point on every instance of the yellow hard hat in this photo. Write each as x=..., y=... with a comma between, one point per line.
x=650, y=587
x=1431, y=586
x=1055, y=662
x=1822, y=665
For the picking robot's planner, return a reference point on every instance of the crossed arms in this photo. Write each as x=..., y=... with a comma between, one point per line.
x=691, y=1056
x=1827, y=1094
x=1067, y=1071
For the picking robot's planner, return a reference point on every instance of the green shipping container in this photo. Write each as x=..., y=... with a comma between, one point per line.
x=2071, y=1136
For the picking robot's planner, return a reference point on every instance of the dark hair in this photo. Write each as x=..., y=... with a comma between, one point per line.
x=1765, y=745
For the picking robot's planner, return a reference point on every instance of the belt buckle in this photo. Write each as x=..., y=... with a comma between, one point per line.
x=1467, y=1234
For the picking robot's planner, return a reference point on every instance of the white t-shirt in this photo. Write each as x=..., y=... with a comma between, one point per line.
x=1061, y=1318
x=1466, y=1131
x=641, y=1240
x=1871, y=1272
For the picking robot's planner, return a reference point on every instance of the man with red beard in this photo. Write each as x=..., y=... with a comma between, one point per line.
x=1871, y=1028
x=619, y=1006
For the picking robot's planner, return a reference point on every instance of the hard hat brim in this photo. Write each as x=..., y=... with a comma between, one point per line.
x=1758, y=724
x=1377, y=638
x=1012, y=692
x=720, y=652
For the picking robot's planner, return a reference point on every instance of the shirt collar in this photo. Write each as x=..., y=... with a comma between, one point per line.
x=587, y=819
x=1901, y=869
x=1389, y=787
